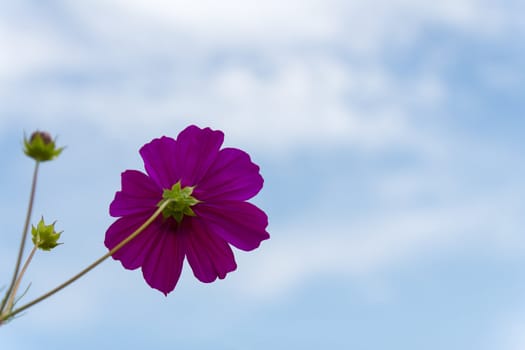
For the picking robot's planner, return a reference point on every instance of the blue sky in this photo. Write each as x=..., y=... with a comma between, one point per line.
x=389, y=134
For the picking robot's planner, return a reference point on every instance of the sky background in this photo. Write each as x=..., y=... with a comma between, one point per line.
x=389, y=134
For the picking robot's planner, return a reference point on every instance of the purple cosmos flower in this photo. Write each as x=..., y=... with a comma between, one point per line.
x=209, y=187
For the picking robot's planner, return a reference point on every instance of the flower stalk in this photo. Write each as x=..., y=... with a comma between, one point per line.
x=11, y=300
x=10, y=291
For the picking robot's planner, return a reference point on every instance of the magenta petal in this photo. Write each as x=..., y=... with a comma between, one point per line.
x=163, y=264
x=241, y=224
x=131, y=255
x=139, y=194
x=232, y=176
x=159, y=161
x=208, y=255
x=196, y=151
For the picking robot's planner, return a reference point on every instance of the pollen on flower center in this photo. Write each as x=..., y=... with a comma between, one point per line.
x=180, y=200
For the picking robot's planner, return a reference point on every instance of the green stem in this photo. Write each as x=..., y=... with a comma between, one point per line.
x=10, y=302
x=93, y=265
x=23, y=241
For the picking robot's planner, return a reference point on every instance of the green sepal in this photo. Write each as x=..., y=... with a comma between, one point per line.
x=180, y=204
x=44, y=236
x=41, y=147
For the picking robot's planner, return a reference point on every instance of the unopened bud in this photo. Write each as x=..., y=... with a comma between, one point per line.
x=44, y=236
x=41, y=147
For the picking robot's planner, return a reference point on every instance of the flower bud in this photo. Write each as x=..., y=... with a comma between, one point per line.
x=41, y=147
x=44, y=236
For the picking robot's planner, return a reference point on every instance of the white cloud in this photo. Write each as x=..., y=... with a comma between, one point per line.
x=455, y=201
x=127, y=31
x=302, y=102
x=226, y=20
x=368, y=247
x=307, y=94
x=364, y=27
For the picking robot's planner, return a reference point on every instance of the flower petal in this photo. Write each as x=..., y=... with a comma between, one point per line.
x=139, y=194
x=241, y=224
x=196, y=151
x=208, y=255
x=159, y=161
x=131, y=255
x=232, y=176
x=163, y=263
